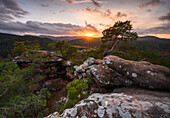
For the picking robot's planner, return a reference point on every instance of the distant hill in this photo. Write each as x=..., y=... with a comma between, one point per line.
x=143, y=43
x=86, y=42
x=61, y=38
x=7, y=41
x=152, y=42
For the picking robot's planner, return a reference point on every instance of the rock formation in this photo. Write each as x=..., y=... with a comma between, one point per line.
x=114, y=71
x=123, y=103
x=143, y=96
x=52, y=68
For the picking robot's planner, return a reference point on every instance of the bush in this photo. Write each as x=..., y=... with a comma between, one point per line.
x=16, y=98
x=70, y=53
x=77, y=90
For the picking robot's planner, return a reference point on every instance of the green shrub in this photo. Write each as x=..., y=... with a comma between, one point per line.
x=77, y=90
x=16, y=98
x=24, y=106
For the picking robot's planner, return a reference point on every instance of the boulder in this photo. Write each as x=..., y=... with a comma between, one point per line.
x=123, y=103
x=90, y=61
x=142, y=74
x=115, y=71
x=105, y=76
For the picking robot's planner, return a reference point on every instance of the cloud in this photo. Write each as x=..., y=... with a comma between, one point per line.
x=104, y=25
x=69, y=1
x=149, y=10
x=45, y=28
x=96, y=3
x=10, y=7
x=91, y=27
x=5, y=17
x=150, y=3
x=120, y=15
x=166, y=17
x=105, y=13
x=162, y=29
x=44, y=5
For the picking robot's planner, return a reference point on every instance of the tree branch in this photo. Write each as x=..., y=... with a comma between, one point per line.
x=6, y=89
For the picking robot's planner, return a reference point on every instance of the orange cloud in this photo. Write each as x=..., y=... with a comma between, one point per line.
x=161, y=35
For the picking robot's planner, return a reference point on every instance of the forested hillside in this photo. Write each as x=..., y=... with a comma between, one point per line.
x=86, y=42
x=143, y=43
x=7, y=41
x=152, y=42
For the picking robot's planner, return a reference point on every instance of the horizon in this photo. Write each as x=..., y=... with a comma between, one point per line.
x=48, y=36
x=83, y=17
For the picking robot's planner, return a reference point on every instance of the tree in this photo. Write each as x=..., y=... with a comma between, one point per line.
x=71, y=52
x=19, y=48
x=121, y=31
x=61, y=46
x=65, y=49
x=32, y=45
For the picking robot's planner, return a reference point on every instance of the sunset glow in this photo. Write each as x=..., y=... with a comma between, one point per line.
x=89, y=35
x=83, y=17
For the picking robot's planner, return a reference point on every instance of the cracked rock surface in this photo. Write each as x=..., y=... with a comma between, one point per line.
x=115, y=71
x=142, y=74
x=123, y=103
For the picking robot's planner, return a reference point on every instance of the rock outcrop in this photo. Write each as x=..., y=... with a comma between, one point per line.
x=52, y=68
x=114, y=71
x=146, y=94
x=123, y=103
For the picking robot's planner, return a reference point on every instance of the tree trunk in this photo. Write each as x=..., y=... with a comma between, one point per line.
x=112, y=48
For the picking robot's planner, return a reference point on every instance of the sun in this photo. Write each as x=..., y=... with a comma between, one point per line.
x=88, y=35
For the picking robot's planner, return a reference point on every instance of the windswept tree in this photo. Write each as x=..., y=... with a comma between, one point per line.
x=121, y=31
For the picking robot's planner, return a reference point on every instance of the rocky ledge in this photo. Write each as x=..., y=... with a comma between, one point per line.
x=115, y=71
x=123, y=103
x=146, y=94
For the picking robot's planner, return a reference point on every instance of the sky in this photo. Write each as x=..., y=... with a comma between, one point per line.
x=81, y=17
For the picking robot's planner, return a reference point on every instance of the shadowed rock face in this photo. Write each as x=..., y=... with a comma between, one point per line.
x=115, y=71
x=123, y=103
x=143, y=74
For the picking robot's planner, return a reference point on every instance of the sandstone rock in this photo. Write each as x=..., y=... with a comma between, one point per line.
x=114, y=71
x=105, y=76
x=79, y=69
x=142, y=74
x=53, y=115
x=54, y=59
x=54, y=85
x=52, y=69
x=126, y=103
x=90, y=61
x=98, y=61
x=67, y=63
